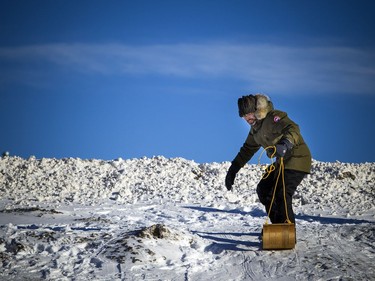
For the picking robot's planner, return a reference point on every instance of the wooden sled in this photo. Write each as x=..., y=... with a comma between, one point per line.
x=279, y=236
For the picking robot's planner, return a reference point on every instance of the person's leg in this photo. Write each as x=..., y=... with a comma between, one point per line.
x=265, y=189
x=292, y=179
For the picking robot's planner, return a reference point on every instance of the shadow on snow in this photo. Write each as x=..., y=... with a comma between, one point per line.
x=221, y=242
x=331, y=220
x=254, y=213
x=261, y=213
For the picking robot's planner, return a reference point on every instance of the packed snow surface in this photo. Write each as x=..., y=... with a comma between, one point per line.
x=173, y=219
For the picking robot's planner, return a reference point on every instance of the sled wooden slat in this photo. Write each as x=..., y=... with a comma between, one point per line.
x=279, y=236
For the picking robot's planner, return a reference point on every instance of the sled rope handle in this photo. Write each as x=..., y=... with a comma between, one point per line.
x=269, y=170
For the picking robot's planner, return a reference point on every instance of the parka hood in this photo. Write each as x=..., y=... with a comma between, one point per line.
x=263, y=106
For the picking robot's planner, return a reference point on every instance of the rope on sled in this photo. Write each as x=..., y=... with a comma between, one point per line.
x=269, y=169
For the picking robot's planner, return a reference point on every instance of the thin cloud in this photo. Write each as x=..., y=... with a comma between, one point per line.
x=270, y=67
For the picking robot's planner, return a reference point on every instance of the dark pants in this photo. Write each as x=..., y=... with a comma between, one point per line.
x=265, y=192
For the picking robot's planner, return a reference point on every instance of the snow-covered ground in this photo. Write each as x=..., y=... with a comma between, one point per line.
x=172, y=219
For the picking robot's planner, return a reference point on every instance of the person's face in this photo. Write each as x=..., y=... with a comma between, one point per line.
x=250, y=118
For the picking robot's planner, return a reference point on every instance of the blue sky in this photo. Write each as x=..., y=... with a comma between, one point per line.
x=111, y=79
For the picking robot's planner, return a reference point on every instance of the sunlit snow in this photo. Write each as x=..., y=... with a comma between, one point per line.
x=173, y=219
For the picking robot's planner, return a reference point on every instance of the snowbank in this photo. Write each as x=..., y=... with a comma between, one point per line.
x=74, y=218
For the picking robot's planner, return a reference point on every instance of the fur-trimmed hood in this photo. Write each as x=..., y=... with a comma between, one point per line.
x=263, y=106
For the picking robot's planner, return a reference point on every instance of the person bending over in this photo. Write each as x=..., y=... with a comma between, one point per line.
x=272, y=130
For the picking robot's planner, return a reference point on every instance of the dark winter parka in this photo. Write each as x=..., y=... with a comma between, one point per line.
x=272, y=126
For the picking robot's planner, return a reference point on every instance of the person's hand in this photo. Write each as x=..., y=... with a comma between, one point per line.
x=231, y=175
x=282, y=147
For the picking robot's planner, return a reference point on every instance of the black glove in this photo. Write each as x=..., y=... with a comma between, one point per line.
x=282, y=147
x=231, y=175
